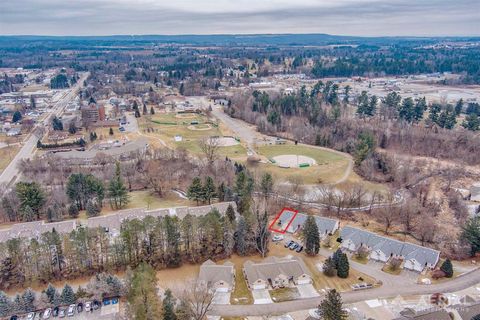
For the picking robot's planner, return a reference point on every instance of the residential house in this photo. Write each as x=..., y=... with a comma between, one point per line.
x=381, y=248
x=291, y=221
x=221, y=278
x=274, y=272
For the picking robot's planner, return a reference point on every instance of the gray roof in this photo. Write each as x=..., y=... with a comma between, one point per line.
x=211, y=273
x=468, y=312
x=272, y=267
x=389, y=246
x=325, y=225
x=424, y=315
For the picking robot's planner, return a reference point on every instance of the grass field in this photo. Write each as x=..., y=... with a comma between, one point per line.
x=284, y=294
x=167, y=125
x=330, y=166
x=6, y=155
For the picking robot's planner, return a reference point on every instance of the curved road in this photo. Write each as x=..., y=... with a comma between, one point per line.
x=392, y=287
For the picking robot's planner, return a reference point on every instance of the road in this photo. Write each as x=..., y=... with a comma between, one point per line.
x=393, y=286
x=10, y=174
x=239, y=127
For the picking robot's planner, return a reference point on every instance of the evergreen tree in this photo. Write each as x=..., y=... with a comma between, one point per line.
x=72, y=129
x=471, y=234
x=30, y=195
x=311, y=236
x=57, y=299
x=28, y=299
x=110, y=132
x=152, y=111
x=406, y=111
x=447, y=267
x=50, y=292
x=419, y=109
x=28, y=214
x=92, y=208
x=240, y=237
x=331, y=308
x=230, y=213
x=117, y=191
x=343, y=266
x=209, y=190
x=168, y=306
x=336, y=257
x=471, y=122
x=68, y=296
x=195, y=191
x=434, y=114
x=145, y=109
x=5, y=305
x=57, y=124
x=459, y=107
x=73, y=210
x=329, y=267
x=17, y=116
x=17, y=305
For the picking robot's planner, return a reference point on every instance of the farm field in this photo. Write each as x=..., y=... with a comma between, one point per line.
x=6, y=155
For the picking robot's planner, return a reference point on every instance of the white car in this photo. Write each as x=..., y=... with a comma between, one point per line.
x=31, y=316
x=71, y=310
x=88, y=306
x=47, y=313
x=277, y=238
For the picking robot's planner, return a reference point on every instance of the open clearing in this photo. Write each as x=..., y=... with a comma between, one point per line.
x=224, y=141
x=330, y=166
x=6, y=155
x=167, y=126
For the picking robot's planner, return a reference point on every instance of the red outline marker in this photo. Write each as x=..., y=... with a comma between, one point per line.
x=271, y=227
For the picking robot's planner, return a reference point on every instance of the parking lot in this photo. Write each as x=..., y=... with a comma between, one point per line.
x=106, y=312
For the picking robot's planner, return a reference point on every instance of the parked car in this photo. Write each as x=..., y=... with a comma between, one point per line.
x=277, y=238
x=79, y=307
x=289, y=243
x=14, y=317
x=106, y=302
x=55, y=311
x=95, y=304
x=47, y=313
x=299, y=249
x=71, y=310
x=31, y=316
x=293, y=246
x=61, y=313
x=114, y=300
x=88, y=306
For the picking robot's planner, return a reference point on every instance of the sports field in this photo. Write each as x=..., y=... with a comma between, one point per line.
x=329, y=166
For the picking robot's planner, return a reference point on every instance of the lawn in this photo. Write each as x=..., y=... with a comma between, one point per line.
x=166, y=126
x=241, y=294
x=330, y=166
x=284, y=294
x=388, y=269
x=6, y=155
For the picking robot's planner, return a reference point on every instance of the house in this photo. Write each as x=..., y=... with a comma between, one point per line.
x=274, y=272
x=424, y=315
x=382, y=249
x=291, y=221
x=219, y=277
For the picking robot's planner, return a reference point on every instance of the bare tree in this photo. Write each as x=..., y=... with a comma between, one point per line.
x=198, y=297
x=209, y=147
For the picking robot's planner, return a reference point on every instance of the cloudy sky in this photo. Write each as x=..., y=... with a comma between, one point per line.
x=341, y=17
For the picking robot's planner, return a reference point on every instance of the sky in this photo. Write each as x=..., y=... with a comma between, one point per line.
x=339, y=17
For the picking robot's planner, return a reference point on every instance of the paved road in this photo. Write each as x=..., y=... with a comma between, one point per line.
x=11, y=171
x=239, y=127
x=388, y=290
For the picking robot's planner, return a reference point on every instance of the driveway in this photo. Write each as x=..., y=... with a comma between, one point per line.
x=261, y=296
x=307, y=291
x=221, y=298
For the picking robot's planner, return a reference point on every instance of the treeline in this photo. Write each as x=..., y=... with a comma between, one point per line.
x=161, y=241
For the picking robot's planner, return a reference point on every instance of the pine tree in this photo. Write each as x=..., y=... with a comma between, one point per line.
x=168, y=306
x=311, y=236
x=471, y=234
x=50, y=292
x=209, y=190
x=17, y=305
x=447, y=267
x=144, y=109
x=28, y=214
x=117, y=191
x=471, y=122
x=343, y=266
x=92, y=208
x=331, y=308
x=195, y=191
x=230, y=213
x=110, y=132
x=73, y=210
x=152, y=111
x=240, y=237
x=5, y=305
x=28, y=299
x=329, y=267
x=336, y=257
x=68, y=296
